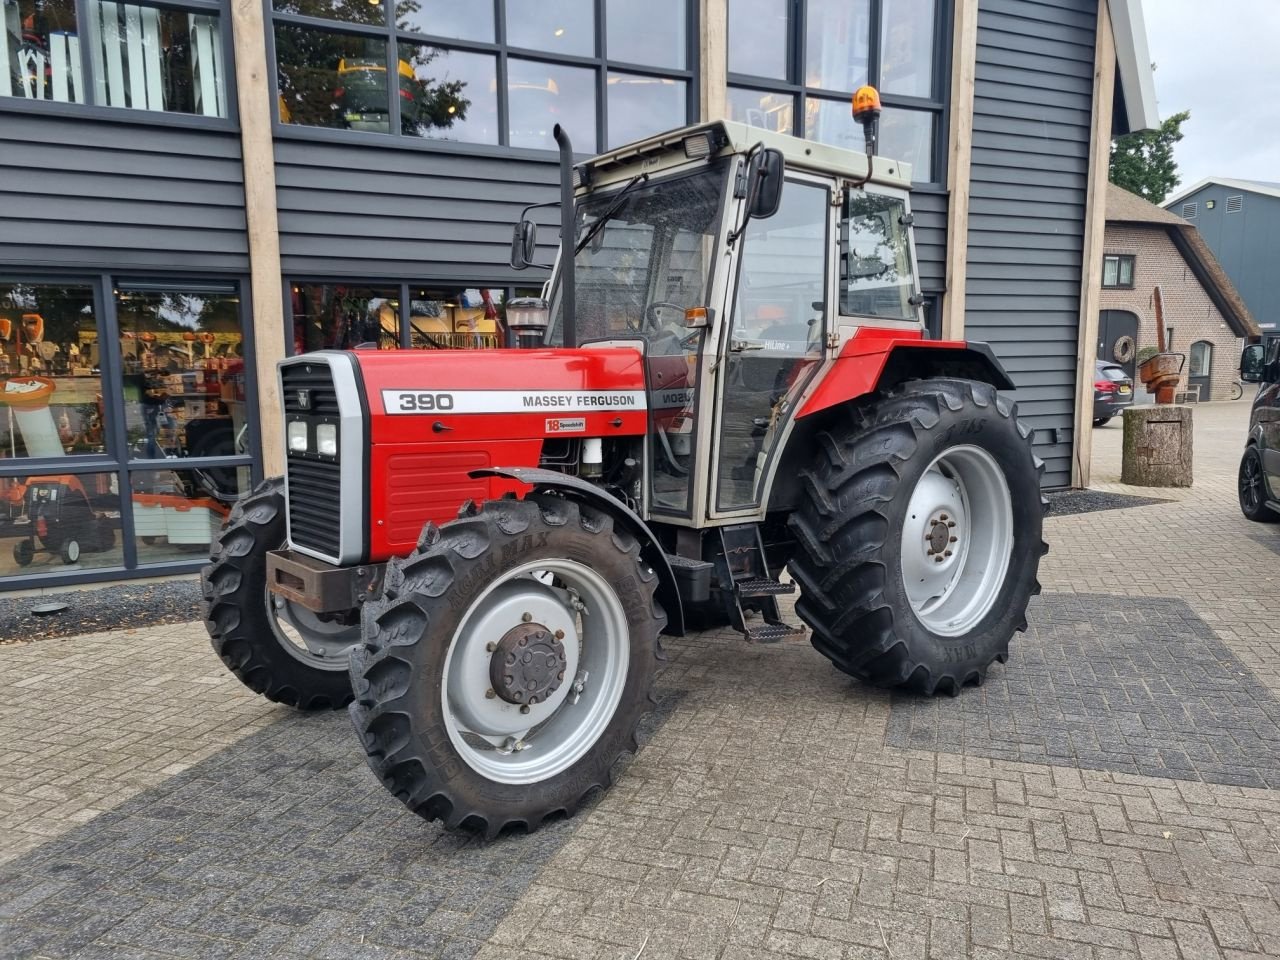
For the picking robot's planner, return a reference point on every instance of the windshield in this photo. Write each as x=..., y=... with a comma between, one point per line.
x=649, y=261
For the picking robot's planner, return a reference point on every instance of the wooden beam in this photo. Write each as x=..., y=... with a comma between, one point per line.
x=1095, y=224
x=964, y=58
x=257, y=149
x=713, y=59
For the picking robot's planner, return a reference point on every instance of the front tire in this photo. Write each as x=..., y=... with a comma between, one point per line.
x=1101, y=421
x=1252, y=487
x=919, y=536
x=449, y=728
x=277, y=649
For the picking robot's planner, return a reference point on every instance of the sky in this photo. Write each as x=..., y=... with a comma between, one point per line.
x=1221, y=61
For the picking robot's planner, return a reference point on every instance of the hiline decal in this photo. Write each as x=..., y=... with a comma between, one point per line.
x=576, y=425
x=511, y=401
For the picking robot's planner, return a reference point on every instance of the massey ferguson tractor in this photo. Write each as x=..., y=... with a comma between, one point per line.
x=726, y=377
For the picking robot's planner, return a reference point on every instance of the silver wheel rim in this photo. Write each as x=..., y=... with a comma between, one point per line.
x=517, y=744
x=957, y=540
x=322, y=644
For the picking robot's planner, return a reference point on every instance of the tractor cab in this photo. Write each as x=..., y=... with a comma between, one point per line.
x=739, y=261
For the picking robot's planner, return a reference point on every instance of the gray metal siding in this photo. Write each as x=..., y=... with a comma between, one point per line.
x=1033, y=103
x=1245, y=243
x=99, y=194
x=372, y=211
x=930, y=212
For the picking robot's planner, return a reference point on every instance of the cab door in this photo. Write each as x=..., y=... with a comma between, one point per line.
x=773, y=343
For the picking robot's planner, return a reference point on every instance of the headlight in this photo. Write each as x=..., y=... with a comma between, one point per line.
x=298, y=436
x=327, y=439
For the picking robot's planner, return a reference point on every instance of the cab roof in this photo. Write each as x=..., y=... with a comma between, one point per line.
x=725, y=137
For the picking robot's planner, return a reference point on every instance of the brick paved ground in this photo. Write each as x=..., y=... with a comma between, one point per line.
x=151, y=807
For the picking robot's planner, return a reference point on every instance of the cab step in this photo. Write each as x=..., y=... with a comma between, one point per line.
x=771, y=632
x=761, y=587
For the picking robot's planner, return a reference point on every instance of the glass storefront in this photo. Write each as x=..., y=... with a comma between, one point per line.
x=126, y=424
x=793, y=67
x=138, y=55
x=608, y=71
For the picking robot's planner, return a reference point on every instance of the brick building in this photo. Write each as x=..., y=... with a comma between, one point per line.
x=1204, y=316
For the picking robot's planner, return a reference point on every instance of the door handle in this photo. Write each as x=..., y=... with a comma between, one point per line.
x=737, y=346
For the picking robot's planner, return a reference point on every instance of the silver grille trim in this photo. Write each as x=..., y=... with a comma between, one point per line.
x=351, y=456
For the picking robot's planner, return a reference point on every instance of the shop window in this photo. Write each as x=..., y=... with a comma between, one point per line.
x=541, y=95
x=177, y=513
x=51, y=395
x=640, y=106
x=329, y=79
x=470, y=318
x=818, y=52
x=40, y=55
x=446, y=18
x=58, y=523
x=654, y=33
x=340, y=316
x=557, y=60
x=183, y=372
x=148, y=58
x=140, y=56
x=453, y=96
x=553, y=26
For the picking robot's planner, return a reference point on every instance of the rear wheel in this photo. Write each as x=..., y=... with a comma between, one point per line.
x=1101, y=421
x=508, y=665
x=919, y=536
x=1253, y=488
x=277, y=648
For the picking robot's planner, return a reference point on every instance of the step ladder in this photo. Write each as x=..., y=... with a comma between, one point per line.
x=753, y=586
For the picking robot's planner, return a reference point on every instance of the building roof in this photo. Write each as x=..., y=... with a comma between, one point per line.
x=1126, y=207
x=1267, y=188
x=1135, y=80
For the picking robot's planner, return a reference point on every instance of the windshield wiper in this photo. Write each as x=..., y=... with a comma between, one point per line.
x=608, y=214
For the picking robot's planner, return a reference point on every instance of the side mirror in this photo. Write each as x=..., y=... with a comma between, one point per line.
x=524, y=244
x=1253, y=363
x=766, y=176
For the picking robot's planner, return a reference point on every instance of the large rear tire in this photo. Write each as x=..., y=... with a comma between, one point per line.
x=455, y=731
x=278, y=649
x=919, y=536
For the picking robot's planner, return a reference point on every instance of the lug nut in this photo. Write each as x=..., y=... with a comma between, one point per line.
x=937, y=559
x=954, y=539
x=525, y=708
x=490, y=647
x=942, y=516
x=526, y=617
x=489, y=694
x=951, y=523
x=947, y=553
x=559, y=634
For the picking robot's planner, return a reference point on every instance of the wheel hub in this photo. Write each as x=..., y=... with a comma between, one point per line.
x=528, y=664
x=941, y=538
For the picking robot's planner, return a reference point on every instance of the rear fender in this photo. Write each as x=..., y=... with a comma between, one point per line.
x=572, y=488
x=870, y=362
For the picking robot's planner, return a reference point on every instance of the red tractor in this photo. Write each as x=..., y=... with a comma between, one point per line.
x=728, y=378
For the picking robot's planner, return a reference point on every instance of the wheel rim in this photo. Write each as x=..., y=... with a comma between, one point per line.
x=1250, y=482
x=323, y=644
x=73, y=551
x=573, y=606
x=957, y=540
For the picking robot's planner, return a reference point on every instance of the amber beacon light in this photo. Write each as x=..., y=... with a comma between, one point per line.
x=866, y=105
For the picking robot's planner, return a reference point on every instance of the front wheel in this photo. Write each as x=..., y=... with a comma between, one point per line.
x=508, y=665
x=276, y=647
x=920, y=535
x=1252, y=487
x=1101, y=421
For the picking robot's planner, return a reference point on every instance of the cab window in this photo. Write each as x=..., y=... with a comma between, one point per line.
x=876, y=278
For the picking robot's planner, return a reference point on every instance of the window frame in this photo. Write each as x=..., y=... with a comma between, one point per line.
x=117, y=461
x=938, y=106
x=91, y=110
x=600, y=63
x=1121, y=259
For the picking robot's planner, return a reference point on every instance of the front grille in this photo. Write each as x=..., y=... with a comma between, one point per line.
x=317, y=381
x=315, y=488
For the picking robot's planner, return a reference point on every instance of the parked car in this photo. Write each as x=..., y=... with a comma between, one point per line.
x=1259, y=479
x=1112, y=392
